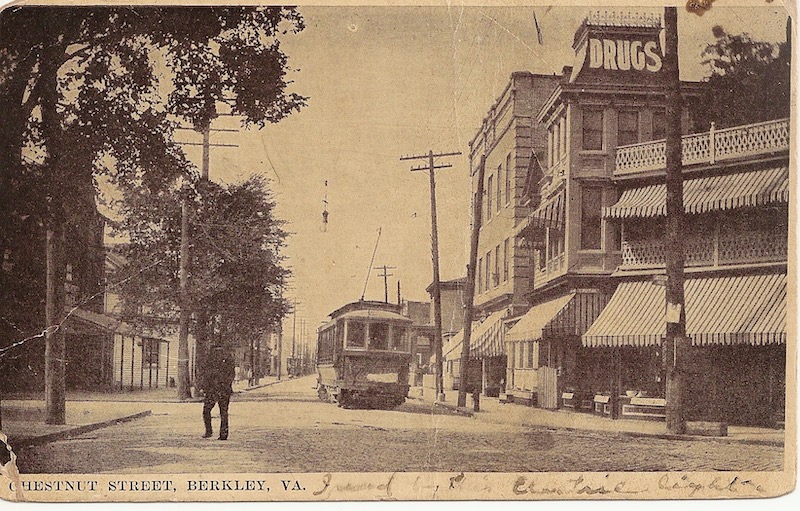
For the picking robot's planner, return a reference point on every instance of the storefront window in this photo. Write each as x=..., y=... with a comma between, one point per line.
x=356, y=334
x=591, y=204
x=628, y=132
x=593, y=129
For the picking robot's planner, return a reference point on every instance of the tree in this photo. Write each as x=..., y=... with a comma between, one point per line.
x=749, y=80
x=237, y=276
x=82, y=97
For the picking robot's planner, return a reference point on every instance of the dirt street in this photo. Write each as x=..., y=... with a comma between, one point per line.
x=285, y=428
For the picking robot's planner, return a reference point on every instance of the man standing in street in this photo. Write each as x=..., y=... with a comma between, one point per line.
x=218, y=377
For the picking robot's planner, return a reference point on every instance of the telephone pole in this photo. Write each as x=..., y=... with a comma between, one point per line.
x=477, y=211
x=386, y=276
x=184, y=380
x=437, y=292
x=677, y=344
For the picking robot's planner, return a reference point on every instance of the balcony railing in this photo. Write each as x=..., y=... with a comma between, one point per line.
x=745, y=247
x=709, y=147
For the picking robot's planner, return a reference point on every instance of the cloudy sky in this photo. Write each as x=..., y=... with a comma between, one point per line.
x=384, y=82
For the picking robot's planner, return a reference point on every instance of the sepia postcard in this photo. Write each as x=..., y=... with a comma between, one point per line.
x=410, y=251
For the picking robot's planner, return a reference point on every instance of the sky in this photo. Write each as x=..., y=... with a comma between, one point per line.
x=385, y=82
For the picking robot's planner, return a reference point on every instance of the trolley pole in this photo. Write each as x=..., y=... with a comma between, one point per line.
x=477, y=211
x=437, y=292
x=677, y=343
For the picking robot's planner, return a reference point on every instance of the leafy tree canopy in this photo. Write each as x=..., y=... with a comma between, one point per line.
x=99, y=91
x=749, y=80
x=236, y=271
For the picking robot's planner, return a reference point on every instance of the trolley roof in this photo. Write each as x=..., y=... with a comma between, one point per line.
x=369, y=310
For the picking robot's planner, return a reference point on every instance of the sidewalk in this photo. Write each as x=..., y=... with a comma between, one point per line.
x=494, y=411
x=24, y=420
x=23, y=414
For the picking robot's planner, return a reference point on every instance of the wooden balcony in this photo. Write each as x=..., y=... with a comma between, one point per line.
x=710, y=147
x=747, y=247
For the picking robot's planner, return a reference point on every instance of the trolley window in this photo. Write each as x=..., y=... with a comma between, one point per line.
x=356, y=334
x=378, y=336
x=399, y=338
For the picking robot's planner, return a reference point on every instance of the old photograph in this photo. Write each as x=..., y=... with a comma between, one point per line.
x=444, y=251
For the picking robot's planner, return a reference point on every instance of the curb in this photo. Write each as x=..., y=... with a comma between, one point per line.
x=260, y=386
x=629, y=434
x=32, y=441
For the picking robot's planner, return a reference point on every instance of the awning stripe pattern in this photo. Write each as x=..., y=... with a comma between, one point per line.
x=530, y=326
x=713, y=193
x=486, y=340
x=551, y=214
x=747, y=309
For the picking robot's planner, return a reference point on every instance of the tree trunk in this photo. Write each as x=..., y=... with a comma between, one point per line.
x=52, y=134
x=55, y=347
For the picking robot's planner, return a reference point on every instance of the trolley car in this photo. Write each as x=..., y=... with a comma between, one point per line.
x=363, y=356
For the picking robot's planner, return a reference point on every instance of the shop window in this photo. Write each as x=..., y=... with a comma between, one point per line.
x=593, y=129
x=628, y=128
x=530, y=354
x=591, y=204
x=659, y=124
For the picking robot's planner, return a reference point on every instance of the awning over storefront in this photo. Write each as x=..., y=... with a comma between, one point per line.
x=486, y=339
x=571, y=314
x=83, y=321
x=749, y=309
x=730, y=191
x=530, y=326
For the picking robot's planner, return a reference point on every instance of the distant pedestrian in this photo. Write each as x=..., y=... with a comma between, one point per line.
x=218, y=376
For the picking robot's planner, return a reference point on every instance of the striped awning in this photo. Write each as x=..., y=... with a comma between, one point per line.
x=747, y=309
x=486, y=339
x=531, y=325
x=714, y=193
x=551, y=214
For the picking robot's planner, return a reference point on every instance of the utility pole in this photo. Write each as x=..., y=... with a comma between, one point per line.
x=386, y=276
x=677, y=344
x=184, y=380
x=437, y=292
x=477, y=211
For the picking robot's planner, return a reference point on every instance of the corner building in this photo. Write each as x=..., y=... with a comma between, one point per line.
x=612, y=95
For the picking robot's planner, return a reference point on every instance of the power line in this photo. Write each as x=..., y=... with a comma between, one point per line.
x=437, y=297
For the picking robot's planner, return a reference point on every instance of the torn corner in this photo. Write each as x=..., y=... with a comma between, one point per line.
x=10, y=486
